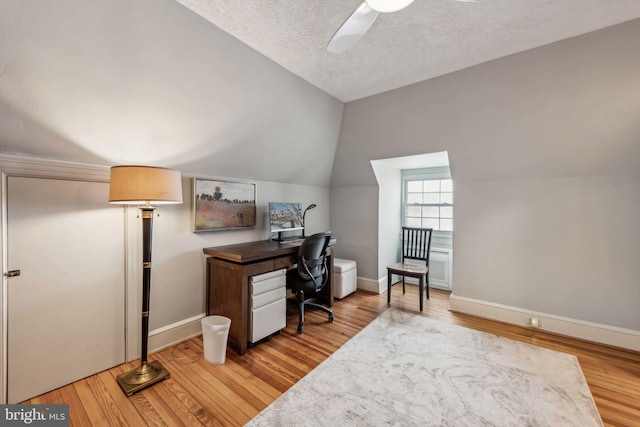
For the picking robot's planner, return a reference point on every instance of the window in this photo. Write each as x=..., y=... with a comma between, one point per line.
x=428, y=203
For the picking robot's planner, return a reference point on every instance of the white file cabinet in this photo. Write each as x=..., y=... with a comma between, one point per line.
x=268, y=304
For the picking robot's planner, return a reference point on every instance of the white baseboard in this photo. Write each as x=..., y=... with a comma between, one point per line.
x=374, y=286
x=170, y=335
x=604, y=334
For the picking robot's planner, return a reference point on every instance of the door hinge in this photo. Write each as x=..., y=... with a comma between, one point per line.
x=12, y=273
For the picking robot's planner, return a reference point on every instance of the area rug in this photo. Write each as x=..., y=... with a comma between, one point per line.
x=410, y=370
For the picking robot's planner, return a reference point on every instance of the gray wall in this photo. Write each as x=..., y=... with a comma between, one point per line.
x=178, y=273
x=150, y=82
x=545, y=157
x=354, y=222
x=566, y=246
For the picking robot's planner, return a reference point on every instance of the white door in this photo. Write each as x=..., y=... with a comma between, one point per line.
x=66, y=309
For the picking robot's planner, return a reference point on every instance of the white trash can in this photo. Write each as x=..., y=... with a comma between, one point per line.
x=215, y=331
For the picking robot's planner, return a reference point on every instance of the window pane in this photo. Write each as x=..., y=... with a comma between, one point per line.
x=413, y=198
x=429, y=204
x=430, y=211
x=413, y=222
x=414, y=186
x=446, y=224
x=430, y=223
x=432, y=186
x=413, y=211
x=431, y=198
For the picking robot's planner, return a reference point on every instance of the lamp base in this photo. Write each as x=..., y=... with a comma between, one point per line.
x=143, y=376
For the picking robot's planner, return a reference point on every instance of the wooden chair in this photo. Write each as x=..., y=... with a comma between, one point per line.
x=416, y=245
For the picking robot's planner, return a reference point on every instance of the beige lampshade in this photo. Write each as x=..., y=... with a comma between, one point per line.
x=142, y=184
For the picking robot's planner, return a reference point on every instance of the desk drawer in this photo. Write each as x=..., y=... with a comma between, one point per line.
x=269, y=281
x=265, y=298
x=258, y=268
x=286, y=261
x=267, y=319
x=268, y=275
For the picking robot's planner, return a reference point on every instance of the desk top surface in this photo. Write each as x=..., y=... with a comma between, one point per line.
x=255, y=251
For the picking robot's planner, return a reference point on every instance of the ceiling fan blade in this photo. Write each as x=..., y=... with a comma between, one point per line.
x=353, y=29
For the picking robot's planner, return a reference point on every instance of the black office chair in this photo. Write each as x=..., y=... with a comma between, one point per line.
x=416, y=245
x=311, y=275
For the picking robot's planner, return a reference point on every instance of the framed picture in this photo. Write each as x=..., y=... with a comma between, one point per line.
x=223, y=205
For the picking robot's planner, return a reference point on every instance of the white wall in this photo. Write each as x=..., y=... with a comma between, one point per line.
x=389, y=215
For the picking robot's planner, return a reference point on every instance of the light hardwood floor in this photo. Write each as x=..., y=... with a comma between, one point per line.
x=231, y=394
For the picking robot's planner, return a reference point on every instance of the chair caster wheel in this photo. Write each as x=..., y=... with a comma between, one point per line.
x=330, y=319
x=300, y=329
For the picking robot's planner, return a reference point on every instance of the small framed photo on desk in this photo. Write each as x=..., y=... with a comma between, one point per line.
x=223, y=205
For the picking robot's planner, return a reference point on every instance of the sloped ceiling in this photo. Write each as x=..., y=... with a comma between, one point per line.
x=148, y=81
x=427, y=39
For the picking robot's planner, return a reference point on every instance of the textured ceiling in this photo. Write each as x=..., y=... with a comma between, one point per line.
x=427, y=39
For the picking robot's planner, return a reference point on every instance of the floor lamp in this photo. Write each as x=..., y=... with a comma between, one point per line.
x=144, y=186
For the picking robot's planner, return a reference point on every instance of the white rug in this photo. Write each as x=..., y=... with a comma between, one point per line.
x=409, y=370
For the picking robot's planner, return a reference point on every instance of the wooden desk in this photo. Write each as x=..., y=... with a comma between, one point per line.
x=228, y=271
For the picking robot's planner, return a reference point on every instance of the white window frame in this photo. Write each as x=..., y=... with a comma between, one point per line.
x=425, y=174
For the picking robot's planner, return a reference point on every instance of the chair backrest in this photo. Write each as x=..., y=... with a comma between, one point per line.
x=312, y=259
x=416, y=243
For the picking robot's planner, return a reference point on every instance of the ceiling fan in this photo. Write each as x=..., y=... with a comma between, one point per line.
x=362, y=19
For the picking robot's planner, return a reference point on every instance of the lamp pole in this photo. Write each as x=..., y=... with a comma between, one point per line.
x=147, y=373
x=304, y=214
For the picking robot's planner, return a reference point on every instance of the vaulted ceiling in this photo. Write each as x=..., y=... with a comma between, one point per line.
x=427, y=39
